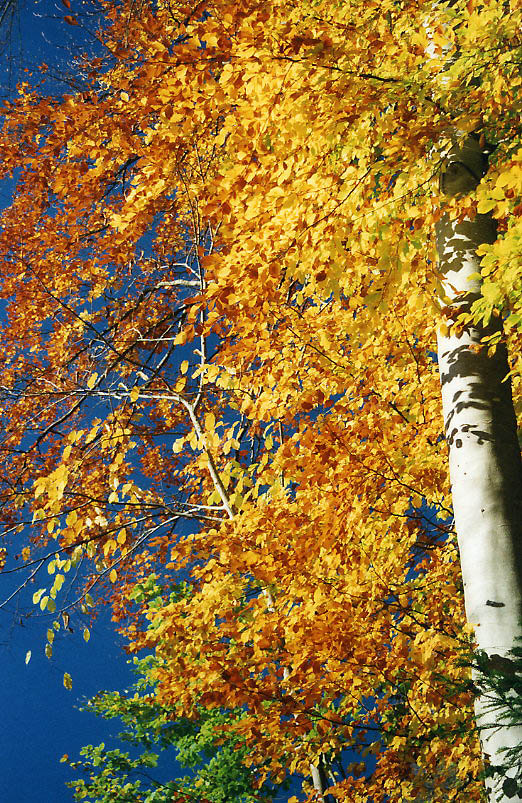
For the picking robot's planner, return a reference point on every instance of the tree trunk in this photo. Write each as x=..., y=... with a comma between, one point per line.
x=320, y=780
x=485, y=464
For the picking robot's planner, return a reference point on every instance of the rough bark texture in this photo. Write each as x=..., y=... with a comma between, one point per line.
x=485, y=463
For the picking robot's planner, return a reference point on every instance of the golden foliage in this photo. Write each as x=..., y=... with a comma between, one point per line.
x=219, y=283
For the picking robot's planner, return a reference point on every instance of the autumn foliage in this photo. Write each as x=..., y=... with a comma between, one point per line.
x=220, y=299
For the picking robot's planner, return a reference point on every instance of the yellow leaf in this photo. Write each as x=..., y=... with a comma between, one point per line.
x=109, y=546
x=72, y=518
x=177, y=446
x=113, y=576
x=485, y=205
x=39, y=486
x=134, y=394
x=67, y=681
x=92, y=434
x=212, y=372
x=86, y=634
x=92, y=381
x=251, y=558
x=38, y=595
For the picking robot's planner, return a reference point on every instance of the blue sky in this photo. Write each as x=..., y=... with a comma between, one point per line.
x=40, y=718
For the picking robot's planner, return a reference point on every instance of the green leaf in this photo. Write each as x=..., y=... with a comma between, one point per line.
x=510, y=787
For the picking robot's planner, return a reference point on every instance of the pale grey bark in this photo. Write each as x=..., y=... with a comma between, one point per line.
x=484, y=457
x=320, y=780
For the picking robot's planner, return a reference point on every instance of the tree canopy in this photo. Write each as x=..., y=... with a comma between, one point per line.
x=213, y=760
x=220, y=300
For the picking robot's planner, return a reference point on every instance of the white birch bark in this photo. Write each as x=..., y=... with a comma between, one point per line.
x=485, y=463
x=320, y=781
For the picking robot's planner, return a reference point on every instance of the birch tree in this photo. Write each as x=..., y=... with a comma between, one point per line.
x=484, y=454
x=278, y=381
